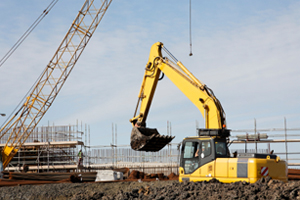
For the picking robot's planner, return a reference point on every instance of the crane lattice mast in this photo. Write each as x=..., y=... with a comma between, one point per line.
x=21, y=125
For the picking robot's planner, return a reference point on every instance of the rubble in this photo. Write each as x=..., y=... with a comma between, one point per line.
x=265, y=188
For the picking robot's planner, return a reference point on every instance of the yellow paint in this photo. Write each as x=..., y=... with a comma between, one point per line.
x=184, y=80
x=225, y=170
x=7, y=154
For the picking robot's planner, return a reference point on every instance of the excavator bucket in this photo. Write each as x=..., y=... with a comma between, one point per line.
x=148, y=139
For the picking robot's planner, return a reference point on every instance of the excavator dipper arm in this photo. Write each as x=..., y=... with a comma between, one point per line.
x=145, y=139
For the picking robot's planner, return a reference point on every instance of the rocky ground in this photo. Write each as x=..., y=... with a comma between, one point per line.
x=163, y=189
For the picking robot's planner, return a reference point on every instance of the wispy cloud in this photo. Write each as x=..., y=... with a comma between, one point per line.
x=251, y=63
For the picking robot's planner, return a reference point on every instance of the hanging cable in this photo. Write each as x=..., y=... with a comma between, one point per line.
x=27, y=32
x=190, y=20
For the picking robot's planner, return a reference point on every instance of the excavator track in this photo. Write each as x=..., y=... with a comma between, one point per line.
x=148, y=139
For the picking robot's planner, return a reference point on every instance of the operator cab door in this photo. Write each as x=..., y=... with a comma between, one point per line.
x=190, y=156
x=207, y=152
x=196, y=153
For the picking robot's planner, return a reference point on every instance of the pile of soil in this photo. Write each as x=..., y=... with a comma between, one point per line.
x=135, y=175
x=265, y=188
x=173, y=176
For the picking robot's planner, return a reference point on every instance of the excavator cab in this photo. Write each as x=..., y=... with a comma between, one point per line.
x=199, y=150
x=207, y=156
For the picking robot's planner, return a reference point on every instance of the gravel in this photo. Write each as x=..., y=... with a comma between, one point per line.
x=265, y=188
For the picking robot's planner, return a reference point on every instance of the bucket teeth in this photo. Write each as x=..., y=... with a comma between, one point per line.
x=147, y=139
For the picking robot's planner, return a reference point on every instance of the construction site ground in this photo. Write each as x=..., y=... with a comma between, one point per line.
x=149, y=186
x=265, y=188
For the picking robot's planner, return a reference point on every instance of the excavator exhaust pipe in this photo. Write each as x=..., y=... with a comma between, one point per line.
x=148, y=139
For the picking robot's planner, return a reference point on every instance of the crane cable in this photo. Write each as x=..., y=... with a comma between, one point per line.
x=45, y=12
x=27, y=32
x=190, y=28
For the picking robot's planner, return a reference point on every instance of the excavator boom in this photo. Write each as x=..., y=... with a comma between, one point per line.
x=145, y=139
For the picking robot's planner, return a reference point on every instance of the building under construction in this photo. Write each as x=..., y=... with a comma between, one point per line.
x=48, y=148
x=55, y=148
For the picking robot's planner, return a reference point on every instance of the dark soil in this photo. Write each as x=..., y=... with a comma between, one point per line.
x=265, y=188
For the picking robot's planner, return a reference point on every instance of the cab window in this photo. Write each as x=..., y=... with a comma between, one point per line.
x=191, y=149
x=190, y=161
x=206, y=149
x=221, y=148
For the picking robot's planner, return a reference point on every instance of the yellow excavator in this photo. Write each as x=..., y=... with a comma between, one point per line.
x=205, y=156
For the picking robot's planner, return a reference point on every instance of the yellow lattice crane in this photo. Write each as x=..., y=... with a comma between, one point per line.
x=23, y=122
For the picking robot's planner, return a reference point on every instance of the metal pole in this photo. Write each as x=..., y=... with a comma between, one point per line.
x=48, y=148
x=116, y=135
x=86, y=137
x=112, y=145
x=38, y=161
x=255, y=135
x=77, y=138
x=48, y=154
x=286, y=147
x=168, y=133
x=19, y=160
x=89, y=146
x=171, y=147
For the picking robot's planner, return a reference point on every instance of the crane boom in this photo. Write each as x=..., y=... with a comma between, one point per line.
x=21, y=125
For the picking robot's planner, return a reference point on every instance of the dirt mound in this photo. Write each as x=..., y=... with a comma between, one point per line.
x=134, y=175
x=265, y=188
x=201, y=190
x=173, y=176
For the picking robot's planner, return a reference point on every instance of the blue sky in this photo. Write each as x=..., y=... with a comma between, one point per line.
x=247, y=52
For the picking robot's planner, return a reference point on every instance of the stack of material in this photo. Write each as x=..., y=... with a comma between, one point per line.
x=109, y=175
x=5, y=174
x=253, y=137
x=83, y=177
x=80, y=177
x=294, y=174
x=124, y=170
